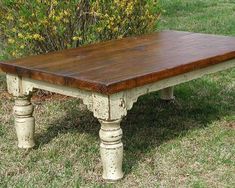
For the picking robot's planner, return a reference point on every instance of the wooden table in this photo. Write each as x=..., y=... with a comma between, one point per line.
x=110, y=76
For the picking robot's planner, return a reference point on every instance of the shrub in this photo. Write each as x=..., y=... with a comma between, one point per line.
x=39, y=26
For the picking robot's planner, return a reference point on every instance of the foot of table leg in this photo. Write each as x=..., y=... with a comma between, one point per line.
x=111, y=149
x=167, y=94
x=24, y=122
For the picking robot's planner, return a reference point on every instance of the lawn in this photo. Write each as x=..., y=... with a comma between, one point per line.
x=189, y=142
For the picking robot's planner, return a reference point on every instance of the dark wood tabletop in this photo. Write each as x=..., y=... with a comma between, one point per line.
x=113, y=66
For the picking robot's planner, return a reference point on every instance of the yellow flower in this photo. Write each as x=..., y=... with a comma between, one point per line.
x=36, y=36
x=11, y=41
x=9, y=17
x=66, y=12
x=14, y=54
x=77, y=38
x=54, y=28
x=99, y=29
x=52, y=13
x=58, y=18
x=115, y=29
x=20, y=35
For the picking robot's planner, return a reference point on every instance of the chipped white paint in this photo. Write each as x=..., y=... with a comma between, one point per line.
x=100, y=106
x=117, y=106
x=23, y=109
x=24, y=122
x=167, y=94
x=28, y=85
x=109, y=109
x=111, y=149
x=13, y=84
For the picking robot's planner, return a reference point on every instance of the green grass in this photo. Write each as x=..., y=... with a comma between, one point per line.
x=207, y=16
x=186, y=143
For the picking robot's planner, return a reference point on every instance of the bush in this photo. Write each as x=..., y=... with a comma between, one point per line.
x=39, y=26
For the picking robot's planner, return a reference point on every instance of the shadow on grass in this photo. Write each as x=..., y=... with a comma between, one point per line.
x=152, y=122
x=75, y=121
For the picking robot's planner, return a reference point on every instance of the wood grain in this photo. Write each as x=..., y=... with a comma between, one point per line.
x=113, y=66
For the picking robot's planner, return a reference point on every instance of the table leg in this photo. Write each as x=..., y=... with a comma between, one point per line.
x=167, y=94
x=111, y=149
x=24, y=122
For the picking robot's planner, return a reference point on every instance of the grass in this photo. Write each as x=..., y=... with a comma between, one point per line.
x=186, y=143
x=207, y=16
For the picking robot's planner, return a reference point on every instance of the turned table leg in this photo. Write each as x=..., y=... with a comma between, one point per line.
x=111, y=149
x=24, y=122
x=167, y=94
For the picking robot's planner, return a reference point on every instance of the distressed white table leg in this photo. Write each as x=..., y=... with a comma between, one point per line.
x=167, y=94
x=111, y=149
x=24, y=122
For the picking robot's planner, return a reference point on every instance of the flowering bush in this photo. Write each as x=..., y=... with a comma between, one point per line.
x=39, y=26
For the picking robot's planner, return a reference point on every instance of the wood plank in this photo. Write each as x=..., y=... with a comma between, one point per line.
x=113, y=66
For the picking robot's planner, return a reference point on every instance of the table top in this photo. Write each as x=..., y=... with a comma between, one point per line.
x=113, y=66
